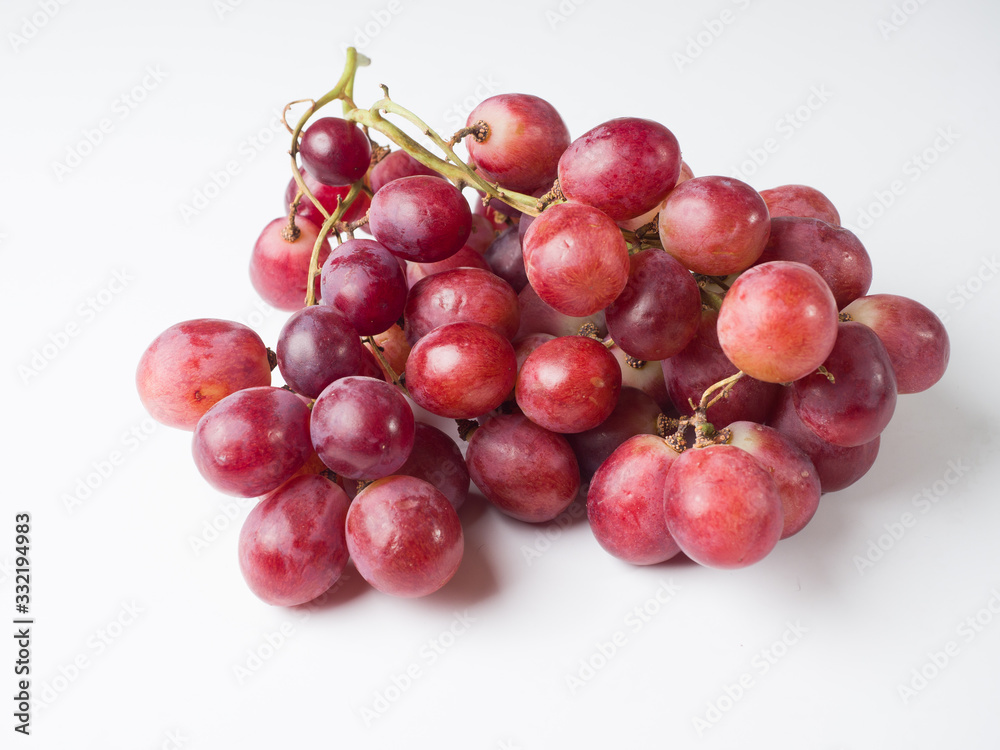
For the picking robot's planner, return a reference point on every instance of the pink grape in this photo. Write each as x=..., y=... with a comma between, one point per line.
x=575, y=258
x=461, y=370
x=362, y=428
x=526, y=471
x=624, y=167
x=792, y=470
x=481, y=235
x=335, y=151
x=722, y=507
x=833, y=252
x=293, y=546
x=404, y=536
x=714, y=225
x=252, y=441
x=658, y=312
x=854, y=407
x=191, y=366
x=461, y=295
x=279, y=268
x=778, y=321
x=914, y=337
x=525, y=140
x=800, y=200
x=625, y=502
x=420, y=218
x=569, y=384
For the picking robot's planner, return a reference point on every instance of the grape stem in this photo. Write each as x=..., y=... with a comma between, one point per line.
x=380, y=356
x=672, y=429
x=330, y=222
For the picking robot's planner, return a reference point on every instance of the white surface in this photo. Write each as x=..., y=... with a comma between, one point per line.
x=168, y=677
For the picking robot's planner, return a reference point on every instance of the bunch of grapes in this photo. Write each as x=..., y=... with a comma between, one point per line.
x=702, y=359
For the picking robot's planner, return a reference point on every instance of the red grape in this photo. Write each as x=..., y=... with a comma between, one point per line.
x=625, y=502
x=279, y=268
x=506, y=259
x=914, y=337
x=364, y=281
x=464, y=258
x=335, y=151
x=635, y=413
x=404, y=536
x=396, y=165
x=252, y=441
x=461, y=295
x=316, y=346
x=714, y=225
x=575, y=258
x=569, y=384
x=800, y=200
x=526, y=471
x=293, y=546
x=722, y=507
x=327, y=195
x=362, y=428
x=778, y=321
x=192, y=365
x=856, y=405
x=436, y=458
x=461, y=370
x=525, y=140
x=624, y=167
x=420, y=218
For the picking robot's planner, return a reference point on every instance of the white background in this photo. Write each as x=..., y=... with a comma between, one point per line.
x=134, y=582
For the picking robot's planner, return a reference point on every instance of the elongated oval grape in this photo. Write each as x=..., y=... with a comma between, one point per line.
x=625, y=501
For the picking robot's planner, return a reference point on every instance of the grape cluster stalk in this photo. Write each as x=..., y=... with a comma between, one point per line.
x=698, y=360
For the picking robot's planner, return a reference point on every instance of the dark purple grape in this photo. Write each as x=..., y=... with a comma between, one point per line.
x=335, y=151
x=506, y=259
x=316, y=346
x=436, y=458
